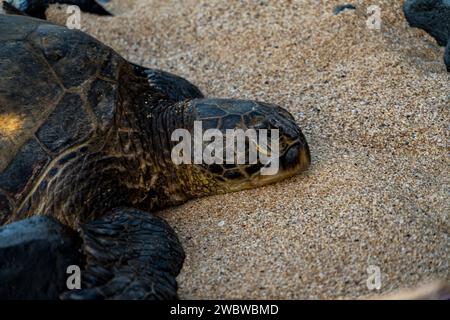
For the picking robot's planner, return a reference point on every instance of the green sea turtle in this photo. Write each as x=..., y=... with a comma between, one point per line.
x=85, y=140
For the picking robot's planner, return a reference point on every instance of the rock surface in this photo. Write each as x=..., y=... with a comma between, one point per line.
x=342, y=7
x=433, y=16
x=34, y=256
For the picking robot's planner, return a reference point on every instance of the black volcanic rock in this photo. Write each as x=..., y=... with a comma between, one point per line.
x=433, y=16
x=34, y=256
x=339, y=8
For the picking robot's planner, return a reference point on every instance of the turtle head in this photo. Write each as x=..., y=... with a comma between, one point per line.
x=240, y=144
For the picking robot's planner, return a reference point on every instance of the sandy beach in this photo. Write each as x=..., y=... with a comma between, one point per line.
x=374, y=107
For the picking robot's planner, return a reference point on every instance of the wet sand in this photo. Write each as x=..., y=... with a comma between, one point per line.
x=374, y=106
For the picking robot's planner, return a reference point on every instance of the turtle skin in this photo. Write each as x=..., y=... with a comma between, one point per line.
x=85, y=141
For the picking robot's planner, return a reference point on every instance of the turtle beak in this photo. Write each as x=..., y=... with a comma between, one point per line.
x=296, y=159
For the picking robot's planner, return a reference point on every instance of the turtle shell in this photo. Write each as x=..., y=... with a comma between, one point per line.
x=58, y=89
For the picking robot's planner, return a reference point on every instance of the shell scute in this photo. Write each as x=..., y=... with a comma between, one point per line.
x=67, y=124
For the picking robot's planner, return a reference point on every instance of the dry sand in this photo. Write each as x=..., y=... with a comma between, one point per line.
x=374, y=106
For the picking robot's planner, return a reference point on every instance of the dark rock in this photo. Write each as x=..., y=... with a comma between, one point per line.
x=433, y=16
x=339, y=8
x=34, y=256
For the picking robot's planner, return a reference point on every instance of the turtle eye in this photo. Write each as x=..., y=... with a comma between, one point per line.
x=54, y=55
x=252, y=169
x=232, y=174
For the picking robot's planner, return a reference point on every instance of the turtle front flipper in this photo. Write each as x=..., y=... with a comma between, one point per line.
x=131, y=254
x=174, y=87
